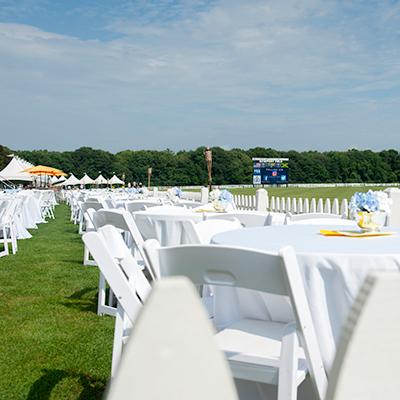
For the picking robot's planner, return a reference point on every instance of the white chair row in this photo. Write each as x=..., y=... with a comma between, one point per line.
x=261, y=351
x=8, y=229
x=182, y=370
x=21, y=211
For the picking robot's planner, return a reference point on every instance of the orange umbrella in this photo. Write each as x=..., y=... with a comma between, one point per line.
x=44, y=170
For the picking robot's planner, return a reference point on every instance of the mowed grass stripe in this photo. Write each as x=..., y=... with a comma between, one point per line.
x=53, y=345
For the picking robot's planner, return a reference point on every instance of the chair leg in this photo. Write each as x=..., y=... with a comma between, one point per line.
x=80, y=231
x=6, y=251
x=110, y=298
x=102, y=294
x=287, y=387
x=5, y=235
x=86, y=258
x=118, y=337
x=12, y=236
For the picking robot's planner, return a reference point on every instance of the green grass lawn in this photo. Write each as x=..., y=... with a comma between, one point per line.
x=53, y=345
x=324, y=192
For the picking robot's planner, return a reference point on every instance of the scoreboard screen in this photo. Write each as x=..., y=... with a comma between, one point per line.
x=270, y=171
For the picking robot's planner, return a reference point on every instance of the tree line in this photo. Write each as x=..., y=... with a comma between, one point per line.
x=229, y=166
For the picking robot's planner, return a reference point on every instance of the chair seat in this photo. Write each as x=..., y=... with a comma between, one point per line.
x=253, y=349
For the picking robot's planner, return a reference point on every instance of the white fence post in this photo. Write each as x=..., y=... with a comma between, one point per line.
x=306, y=208
x=320, y=206
x=261, y=200
x=313, y=205
x=294, y=206
x=272, y=206
x=278, y=204
x=327, y=208
x=335, y=206
x=393, y=220
x=204, y=195
x=283, y=208
x=288, y=204
x=344, y=208
x=155, y=192
x=300, y=205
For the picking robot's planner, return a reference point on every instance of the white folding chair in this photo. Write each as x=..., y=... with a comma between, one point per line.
x=123, y=221
x=260, y=351
x=8, y=228
x=125, y=278
x=4, y=204
x=89, y=226
x=247, y=219
x=202, y=232
x=183, y=361
x=139, y=205
x=96, y=205
x=366, y=366
x=318, y=219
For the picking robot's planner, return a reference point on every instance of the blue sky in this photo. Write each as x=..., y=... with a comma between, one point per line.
x=287, y=74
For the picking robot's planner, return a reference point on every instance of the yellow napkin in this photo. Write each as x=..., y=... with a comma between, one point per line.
x=354, y=234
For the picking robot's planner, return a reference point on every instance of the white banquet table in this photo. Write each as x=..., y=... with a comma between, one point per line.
x=164, y=223
x=333, y=269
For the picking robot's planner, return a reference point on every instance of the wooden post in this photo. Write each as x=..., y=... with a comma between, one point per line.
x=208, y=158
x=149, y=172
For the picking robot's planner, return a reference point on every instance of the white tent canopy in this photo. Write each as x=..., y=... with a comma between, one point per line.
x=87, y=180
x=13, y=171
x=100, y=180
x=58, y=181
x=114, y=180
x=72, y=181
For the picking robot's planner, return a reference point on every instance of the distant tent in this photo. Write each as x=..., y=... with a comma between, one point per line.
x=114, y=180
x=71, y=181
x=13, y=171
x=58, y=181
x=87, y=180
x=61, y=179
x=100, y=180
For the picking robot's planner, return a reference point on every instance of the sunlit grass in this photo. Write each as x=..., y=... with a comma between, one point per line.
x=53, y=345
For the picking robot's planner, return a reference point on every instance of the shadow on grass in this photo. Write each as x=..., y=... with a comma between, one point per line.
x=76, y=262
x=92, y=388
x=84, y=300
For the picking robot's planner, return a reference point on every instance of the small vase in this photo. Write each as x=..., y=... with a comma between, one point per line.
x=371, y=221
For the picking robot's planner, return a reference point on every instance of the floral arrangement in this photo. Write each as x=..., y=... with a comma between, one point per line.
x=175, y=194
x=370, y=202
x=370, y=209
x=221, y=199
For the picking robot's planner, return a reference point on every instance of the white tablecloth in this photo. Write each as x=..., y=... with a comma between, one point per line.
x=164, y=223
x=333, y=269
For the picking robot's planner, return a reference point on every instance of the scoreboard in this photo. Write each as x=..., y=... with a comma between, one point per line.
x=270, y=171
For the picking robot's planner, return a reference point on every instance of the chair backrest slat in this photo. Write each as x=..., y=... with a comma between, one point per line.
x=225, y=266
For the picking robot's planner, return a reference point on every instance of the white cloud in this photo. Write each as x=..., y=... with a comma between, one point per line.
x=235, y=71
